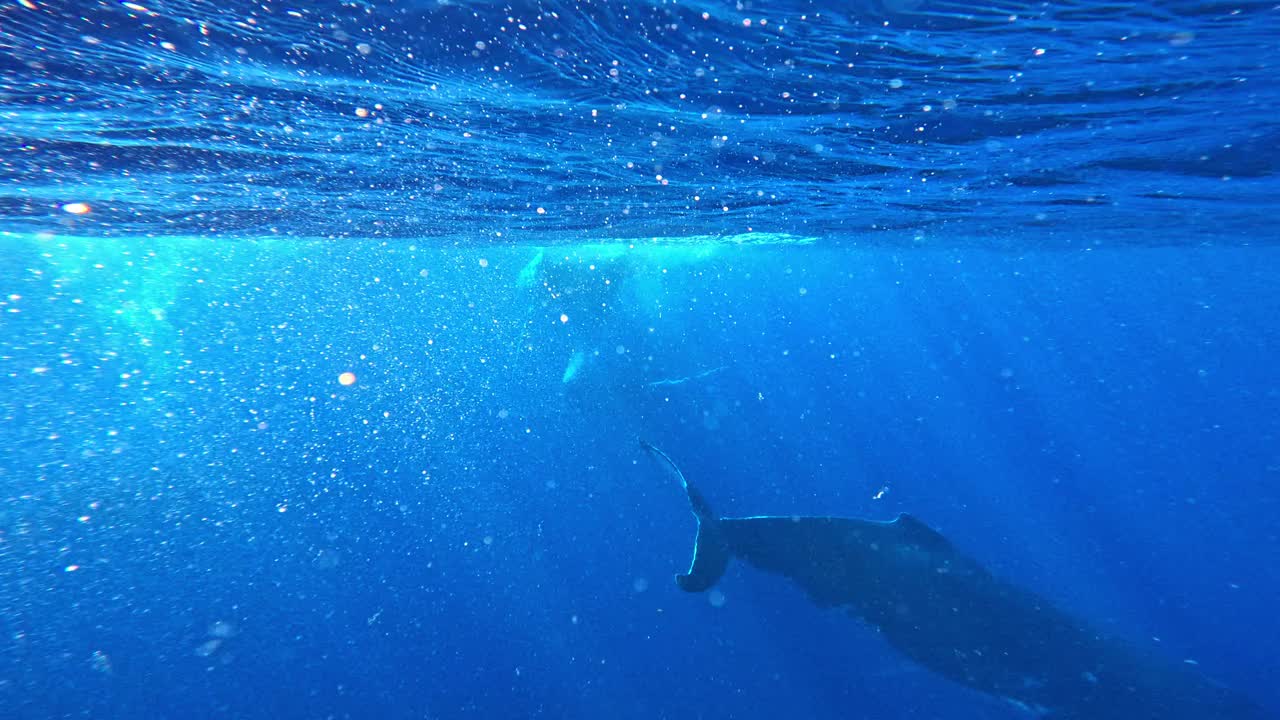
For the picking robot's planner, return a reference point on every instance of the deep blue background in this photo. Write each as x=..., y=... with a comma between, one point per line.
x=464, y=534
x=1009, y=267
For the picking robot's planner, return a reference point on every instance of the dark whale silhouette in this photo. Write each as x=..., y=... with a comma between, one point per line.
x=946, y=612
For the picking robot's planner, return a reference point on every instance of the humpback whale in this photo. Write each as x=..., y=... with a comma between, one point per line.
x=949, y=614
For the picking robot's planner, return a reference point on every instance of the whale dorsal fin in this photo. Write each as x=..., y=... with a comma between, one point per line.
x=915, y=531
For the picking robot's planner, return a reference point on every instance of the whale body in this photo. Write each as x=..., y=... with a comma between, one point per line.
x=948, y=613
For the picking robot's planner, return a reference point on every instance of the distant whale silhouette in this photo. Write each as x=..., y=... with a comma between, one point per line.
x=945, y=611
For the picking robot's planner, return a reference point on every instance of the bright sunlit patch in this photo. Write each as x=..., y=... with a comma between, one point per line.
x=347, y=378
x=27, y=4
x=76, y=208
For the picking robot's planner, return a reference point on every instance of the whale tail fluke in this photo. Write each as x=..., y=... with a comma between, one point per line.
x=711, y=549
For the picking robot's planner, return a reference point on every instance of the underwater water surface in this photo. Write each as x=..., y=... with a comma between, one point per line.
x=328, y=331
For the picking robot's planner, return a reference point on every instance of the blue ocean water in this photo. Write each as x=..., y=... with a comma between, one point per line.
x=328, y=329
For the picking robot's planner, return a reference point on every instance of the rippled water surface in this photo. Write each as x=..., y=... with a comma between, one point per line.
x=918, y=121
